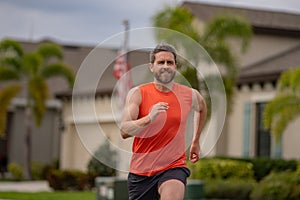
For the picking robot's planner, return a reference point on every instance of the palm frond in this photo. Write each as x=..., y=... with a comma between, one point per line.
x=6, y=95
x=32, y=63
x=289, y=81
x=295, y=81
x=225, y=26
x=221, y=54
x=284, y=83
x=11, y=62
x=10, y=54
x=7, y=74
x=279, y=112
x=59, y=69
x=50, y=51
x=190, y=74
x=12, y=47
x=177, y=19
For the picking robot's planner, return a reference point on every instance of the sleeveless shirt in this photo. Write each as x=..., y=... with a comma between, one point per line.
x=161, y=145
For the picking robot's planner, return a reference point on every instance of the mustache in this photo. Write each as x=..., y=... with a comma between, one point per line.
x=166, y=70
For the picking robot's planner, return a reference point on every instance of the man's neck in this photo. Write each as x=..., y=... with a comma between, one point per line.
x=164, y=87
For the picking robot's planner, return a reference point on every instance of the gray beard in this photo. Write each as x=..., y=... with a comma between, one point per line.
x=159, y=78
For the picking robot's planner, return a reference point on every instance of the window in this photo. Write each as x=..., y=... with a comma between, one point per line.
x=4, y=145
x=263, y=138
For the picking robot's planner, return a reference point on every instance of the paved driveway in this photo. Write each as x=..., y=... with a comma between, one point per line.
x=25, y=186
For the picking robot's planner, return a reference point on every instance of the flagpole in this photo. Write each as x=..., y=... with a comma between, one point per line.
x=125, y=84
x=126, y=48
x=126, y=35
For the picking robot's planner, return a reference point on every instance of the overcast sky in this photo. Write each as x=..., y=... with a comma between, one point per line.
x=89, y=22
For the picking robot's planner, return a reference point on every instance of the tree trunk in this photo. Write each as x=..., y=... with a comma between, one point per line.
x=28, y=129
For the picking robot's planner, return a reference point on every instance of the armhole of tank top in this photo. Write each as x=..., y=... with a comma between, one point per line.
x=193, y=98
x=141, y=88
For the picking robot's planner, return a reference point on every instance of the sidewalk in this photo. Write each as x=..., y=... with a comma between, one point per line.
x=25, y=186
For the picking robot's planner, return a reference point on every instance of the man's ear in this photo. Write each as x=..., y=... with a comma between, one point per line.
x=151, y=67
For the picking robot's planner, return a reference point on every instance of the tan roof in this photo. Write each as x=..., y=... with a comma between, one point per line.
x=261, y=20
x=76, y=55
x=269, y=70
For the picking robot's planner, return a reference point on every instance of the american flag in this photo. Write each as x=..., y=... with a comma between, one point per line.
x=122, y=73
x=121, y=66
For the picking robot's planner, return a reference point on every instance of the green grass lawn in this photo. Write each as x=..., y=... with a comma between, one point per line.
x=49, y=195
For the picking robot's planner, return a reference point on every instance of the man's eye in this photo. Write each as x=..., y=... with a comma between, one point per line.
x=163, y=62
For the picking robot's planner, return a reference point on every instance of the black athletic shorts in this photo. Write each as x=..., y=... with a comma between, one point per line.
x=146, y=187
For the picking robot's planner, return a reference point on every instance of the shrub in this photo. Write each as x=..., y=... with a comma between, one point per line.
x=104, y=152
x=298, y=170
x=47, y=169
x=16, y=171
x=228, y=189
x=264, y=166
x=36, y=170
x=55, y=180
x=70, y=180
x=277, y=186
x=40, y=171
x=207, y=169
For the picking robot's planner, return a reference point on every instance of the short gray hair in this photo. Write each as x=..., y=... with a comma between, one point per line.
x=162, y=47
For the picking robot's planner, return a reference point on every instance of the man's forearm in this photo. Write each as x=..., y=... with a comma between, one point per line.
x=199, y=121
x=133, y=128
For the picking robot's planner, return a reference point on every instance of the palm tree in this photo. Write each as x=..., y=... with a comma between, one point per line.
x=285, y=107
x=10, y=61
x=213, y=39
x=35, y=68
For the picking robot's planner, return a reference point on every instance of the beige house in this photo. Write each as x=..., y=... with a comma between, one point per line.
x=90, y=117
x=274, y=48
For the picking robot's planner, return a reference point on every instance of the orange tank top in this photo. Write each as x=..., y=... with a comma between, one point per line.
x=161, y=145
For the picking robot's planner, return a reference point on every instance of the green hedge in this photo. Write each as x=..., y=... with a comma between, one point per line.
x=16, y=171
x=228, y=189
x=264, y=166
x=278, y=186
x=251, y=178
x=70, y=180
x=215, y=168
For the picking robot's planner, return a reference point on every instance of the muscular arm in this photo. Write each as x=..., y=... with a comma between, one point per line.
x=130, y=124
x=199, y=107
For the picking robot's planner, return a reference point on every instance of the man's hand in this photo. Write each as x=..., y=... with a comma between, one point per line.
x=160, y=107
x=195, y=152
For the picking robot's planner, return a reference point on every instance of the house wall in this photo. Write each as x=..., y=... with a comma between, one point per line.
x=84, y=133
x=236, y=124
x=290, y=140
x=262, y=47
x=44, y=139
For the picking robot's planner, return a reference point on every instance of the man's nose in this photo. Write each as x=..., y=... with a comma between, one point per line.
x=166, y=68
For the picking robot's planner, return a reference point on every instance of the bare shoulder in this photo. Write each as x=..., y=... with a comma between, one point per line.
x=134, y=95
x=198, y=100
